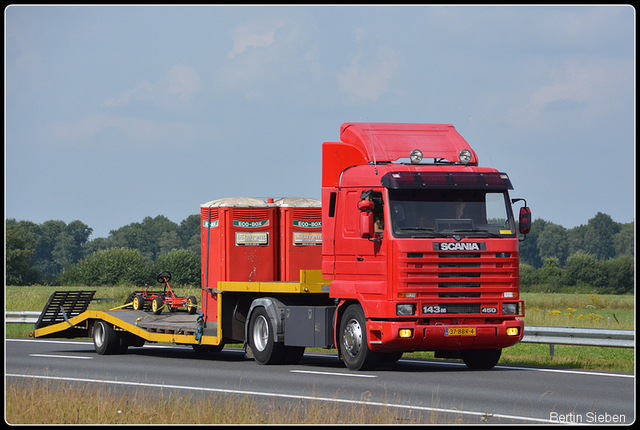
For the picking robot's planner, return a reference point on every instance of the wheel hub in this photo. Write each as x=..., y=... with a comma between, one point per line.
x=352, y=338
x=99, y=335
x=261, y=333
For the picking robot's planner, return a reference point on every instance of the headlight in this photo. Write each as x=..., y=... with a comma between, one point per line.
x=509, y=309
x=404, y=309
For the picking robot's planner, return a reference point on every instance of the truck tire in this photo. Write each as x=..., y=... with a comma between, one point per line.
x=354, y=348
x=138, y=302
x=261, y=338
x=480, y=359
x=105, y=339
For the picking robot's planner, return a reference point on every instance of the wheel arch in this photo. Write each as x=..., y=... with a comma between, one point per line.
x=275, y=309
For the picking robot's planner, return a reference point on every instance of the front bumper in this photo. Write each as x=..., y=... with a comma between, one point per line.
x=384, y=336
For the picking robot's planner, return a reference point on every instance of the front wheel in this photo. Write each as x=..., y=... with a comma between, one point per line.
x=261, y=339
x=481, y=359
x=354, y=347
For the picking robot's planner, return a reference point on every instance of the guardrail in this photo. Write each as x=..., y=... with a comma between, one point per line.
x=579, y=336
x=582, y=336
x=532, y=334
x=21, y=317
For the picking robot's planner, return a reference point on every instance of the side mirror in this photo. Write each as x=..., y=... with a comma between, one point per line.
x=525, y=220
x=366, y=218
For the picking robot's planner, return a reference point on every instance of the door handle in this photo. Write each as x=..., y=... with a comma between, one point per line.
x=360, y=258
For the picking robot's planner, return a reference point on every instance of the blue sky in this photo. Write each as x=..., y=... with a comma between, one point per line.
x=113, y=113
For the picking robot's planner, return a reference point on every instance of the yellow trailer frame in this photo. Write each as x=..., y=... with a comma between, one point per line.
x=178, y=328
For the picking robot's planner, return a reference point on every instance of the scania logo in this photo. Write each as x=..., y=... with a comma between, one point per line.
x=459, y=246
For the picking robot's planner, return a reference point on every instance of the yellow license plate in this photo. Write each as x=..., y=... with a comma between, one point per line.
x=465, y=331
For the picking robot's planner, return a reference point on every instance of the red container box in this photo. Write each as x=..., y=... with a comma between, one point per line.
x=239, y=241
x=300, y=234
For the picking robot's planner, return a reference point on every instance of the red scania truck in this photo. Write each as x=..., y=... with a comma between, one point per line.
x=413, y=248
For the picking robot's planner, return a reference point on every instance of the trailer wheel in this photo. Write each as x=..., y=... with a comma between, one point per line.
x=192, y=305
x=354, y=347
x=481, y=359
x=261, y=340
x=105, y=339
x=156, y=305
x=138, y=302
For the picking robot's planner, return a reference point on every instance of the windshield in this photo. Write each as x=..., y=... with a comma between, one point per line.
x=446, y=212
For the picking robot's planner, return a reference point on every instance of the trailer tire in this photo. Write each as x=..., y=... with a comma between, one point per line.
x=264, y=348
x=105, y=339
x=138, y=302
x=480, y=359
x=354, y=348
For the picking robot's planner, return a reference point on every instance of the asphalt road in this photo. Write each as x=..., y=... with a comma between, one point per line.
x=446, y=390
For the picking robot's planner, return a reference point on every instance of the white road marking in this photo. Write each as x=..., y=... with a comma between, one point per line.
x=354, y=375
x=78, y=357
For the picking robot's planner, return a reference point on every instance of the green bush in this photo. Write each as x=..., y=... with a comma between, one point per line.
x=183, y=264
x=581, y=268
x=619, y=274
x=115, y=266
x=528, y=276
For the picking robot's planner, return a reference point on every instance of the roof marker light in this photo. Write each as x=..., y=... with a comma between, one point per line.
x=464, y=156
x=416, y=156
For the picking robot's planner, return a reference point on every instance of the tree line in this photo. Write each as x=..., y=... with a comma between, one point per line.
x=57, y=253
x=598, y=256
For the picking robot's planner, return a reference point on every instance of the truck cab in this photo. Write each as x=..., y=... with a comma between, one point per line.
x=420, y=245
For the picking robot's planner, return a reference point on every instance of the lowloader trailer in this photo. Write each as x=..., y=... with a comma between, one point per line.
x=412, y=248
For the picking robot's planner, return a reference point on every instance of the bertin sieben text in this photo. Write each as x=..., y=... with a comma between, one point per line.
x=589, y=418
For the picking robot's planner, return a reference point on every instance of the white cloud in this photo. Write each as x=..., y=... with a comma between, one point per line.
x=585, y=87
x=175, y=91
x=91, y=129
x=366, y=80
x=250, y=36
x=182, y=80
x=267, y=56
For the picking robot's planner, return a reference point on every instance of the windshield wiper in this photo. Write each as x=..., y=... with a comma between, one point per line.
x=490, y=233
x=421, y=230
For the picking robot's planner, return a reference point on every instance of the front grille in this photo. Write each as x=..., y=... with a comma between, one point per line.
x=445, y=295
x=451, y=277
x=458, y=275
x=459, y=255
x=449, y=265
x=459, y=285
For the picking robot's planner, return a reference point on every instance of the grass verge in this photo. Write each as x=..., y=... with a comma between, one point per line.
x=52, y=402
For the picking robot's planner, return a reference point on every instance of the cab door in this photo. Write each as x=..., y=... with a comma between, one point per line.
x=371, y=253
